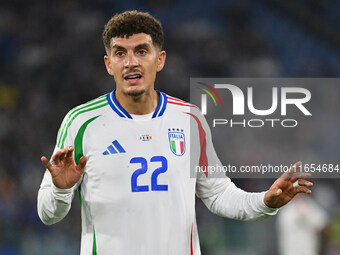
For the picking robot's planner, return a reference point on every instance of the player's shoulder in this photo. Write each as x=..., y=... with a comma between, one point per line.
x=80, y=115
x=179, y=104
x=85, y=111
x=192, y=112
x=89, y=108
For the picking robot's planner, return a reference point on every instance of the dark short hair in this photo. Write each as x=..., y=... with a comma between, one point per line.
x=133, y=22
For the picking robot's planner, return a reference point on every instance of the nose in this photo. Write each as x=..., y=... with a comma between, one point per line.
x=131, y=60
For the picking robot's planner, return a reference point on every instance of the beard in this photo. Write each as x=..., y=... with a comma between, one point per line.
x=134, y=94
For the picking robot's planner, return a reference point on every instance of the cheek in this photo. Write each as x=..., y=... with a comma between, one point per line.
x=152, y=68
x=116, y=70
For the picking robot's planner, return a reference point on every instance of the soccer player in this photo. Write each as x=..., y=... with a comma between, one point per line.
x=128, y=154
x=300, y=225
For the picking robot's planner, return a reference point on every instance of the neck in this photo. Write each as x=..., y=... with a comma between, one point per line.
x=139, y=105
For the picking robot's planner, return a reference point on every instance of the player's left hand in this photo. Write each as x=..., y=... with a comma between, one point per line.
x=283, y=189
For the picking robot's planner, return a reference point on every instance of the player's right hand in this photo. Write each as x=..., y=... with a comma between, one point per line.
x=64, y=171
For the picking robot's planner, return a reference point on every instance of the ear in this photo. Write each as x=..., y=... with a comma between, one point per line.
x=161, y=60
x=107, y=65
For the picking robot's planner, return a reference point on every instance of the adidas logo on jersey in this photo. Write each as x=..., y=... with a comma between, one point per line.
x=114, y=148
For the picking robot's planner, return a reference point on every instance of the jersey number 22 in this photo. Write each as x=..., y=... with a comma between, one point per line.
x=144, y=168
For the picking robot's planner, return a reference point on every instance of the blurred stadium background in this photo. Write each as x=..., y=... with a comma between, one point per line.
x=51, y=59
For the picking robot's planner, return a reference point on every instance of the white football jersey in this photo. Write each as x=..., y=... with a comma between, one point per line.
x=136, y=194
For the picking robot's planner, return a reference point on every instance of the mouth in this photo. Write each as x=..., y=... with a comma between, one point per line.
x=133, y=77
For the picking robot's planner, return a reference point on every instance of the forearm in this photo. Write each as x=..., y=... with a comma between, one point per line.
x=53, y=203
x=237, y=204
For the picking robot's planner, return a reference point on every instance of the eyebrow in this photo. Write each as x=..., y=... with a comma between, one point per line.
x=139, y=46
x=142, y=46
x=117, y=47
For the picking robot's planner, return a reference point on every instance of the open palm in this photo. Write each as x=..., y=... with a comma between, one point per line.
x=283, y=190
x=64, y=171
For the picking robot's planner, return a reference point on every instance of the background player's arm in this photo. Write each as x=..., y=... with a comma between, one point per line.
x=56, y=190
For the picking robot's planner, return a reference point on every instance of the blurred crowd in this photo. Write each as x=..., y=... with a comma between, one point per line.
x=51, y=59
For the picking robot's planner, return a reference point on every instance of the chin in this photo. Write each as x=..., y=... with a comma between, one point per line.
x=134, y=93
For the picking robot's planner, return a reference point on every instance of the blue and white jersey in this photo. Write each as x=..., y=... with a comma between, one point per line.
x=136, y=194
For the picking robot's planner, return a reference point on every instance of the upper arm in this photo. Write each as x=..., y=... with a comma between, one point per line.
x=208, y=183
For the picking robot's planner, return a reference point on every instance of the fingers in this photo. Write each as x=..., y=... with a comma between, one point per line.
x=305, y=183
x=273, y=193
x=67, y=153
x=278, y=192
x=46, y=162
x=70, y=152
x=63, y=154
x=294, y=173
x=82, y=163
x=59, y=156
x=302, y=175
x=303, y=189
x=296, y=166
x=301, y=186
x=293, y=170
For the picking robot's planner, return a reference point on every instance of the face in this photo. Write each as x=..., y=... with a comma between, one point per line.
x=134, y=62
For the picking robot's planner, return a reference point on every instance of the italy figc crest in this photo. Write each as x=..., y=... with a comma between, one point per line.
x=176, y=141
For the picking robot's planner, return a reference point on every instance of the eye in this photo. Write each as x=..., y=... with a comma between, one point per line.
x=120, y=53
x=142, y=52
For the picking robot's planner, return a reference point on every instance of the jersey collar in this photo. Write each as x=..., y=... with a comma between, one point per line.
x=118, y=109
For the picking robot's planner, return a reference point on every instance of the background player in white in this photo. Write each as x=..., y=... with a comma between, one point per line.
x=300, y=225
x=133, y=41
